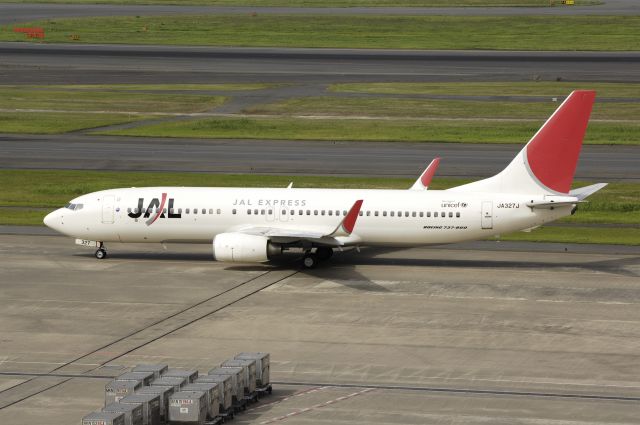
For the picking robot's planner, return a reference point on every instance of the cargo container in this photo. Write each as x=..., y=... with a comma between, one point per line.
x=188, y=407
x=150, y=406
x=249, y=366
x=191, y=375
x=173, y=381
x=211, y=389
x=115, y=390
x=132, y=412
x=237, y=392
x=144, y=377
x=226, y=390
x=164, y=391
x=104, y=418
x=157, y=369
x=263, y=375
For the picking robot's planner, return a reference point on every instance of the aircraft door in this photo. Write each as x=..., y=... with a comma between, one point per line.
x=487, y=214
x=108, y=203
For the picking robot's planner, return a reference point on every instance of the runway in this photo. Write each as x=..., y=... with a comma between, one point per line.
x=27, y=63
x=540, y=335
x=78, y=151
x=12, y=13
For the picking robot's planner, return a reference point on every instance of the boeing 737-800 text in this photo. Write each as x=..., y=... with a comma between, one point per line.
x=255, y=225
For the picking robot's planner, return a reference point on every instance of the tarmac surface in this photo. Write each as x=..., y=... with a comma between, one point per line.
x=29, y=63
x=86, y=152
x=539, y=335
x=12, y=13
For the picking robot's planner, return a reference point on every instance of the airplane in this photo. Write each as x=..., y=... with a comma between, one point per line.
x=257, y=225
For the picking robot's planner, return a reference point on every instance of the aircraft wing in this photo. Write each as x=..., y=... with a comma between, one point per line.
x=327, y=237
x=424, y=180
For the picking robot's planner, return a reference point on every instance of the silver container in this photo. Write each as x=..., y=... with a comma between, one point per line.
x=157, y=369
x=191, y=375
x=226, y=389
x=115, y=390
x=188, y=407
x=211, y=389
x=132, y=412
x=237, y=379
x=263, y=375
x=249, y=366
x=164, y=391
x=103, y=418
x=150, y=406
x=173, y=381
x=144, y=377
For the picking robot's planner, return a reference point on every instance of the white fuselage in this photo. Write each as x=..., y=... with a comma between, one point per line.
x=387, y=217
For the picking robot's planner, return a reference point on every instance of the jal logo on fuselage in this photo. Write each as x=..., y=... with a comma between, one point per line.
x=155, y=207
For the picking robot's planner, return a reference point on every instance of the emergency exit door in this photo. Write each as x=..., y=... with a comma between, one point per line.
x=107, y=209
x=487, y=214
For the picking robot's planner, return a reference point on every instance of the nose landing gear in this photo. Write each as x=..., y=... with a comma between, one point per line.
x=101, y=252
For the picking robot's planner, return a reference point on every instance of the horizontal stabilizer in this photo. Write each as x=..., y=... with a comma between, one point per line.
x=583, y=192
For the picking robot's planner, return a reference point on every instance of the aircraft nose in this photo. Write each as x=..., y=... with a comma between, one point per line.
x=53, y=220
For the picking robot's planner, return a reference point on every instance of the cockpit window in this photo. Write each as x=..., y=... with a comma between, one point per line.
x=74, y=207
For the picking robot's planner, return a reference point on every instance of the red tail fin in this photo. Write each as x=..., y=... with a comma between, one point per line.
x=552, y=154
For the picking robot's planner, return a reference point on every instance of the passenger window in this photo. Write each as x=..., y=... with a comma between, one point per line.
x=270, y=212
x=210, y=210
x=330, y=212
x=233, y=211
x=300, y=212
x=315, y=212
x=375, y=213
x=443, y=214
x=399, y=213
x=450, y=214
x=384, y=213
x=360, y=213
x=204, y=211
x=368, y=213
x=249, y=212
x=262, y=212
x=179, y=210
x=128, y=210
x=322, y=212
x=391, y=213
x=413, y=214
x=406, y=213
x=344, y=213
x=421, y=214
x=186, y=211
x=195, y=211
x=218, y=211
x=284, y=212
x=428, y=213
x=435, y=214
x=308, y=212
x=255, y=212
x=458, y=215
x=337, y=213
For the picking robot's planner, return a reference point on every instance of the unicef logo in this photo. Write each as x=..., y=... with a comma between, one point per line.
x=463, y=204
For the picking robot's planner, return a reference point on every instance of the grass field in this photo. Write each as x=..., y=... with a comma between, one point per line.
x=57, y=122
x=159, y=87
x=530, y=88
x=429, y=108
x=104, y=100
x=454, y=131
x=601, y=33
x=30, y=195
x=328, y=3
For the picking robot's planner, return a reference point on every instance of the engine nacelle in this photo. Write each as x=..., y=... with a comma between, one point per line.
x=243, y=248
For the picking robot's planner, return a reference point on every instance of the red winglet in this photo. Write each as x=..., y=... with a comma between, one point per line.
x=349, y=221
x=553, y=152
x=426, y=177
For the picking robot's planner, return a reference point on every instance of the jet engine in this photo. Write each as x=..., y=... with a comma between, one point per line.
x=244, y=248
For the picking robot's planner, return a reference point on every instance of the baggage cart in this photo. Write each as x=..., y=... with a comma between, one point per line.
x=116, y=390
x=157, y=369
x=164, y=391
x=103, y=418
x=188, y=407
x=132, y=412
x=150, y=406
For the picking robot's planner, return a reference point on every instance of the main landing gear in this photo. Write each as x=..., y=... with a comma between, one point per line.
x=101, y=252
x=310, y=260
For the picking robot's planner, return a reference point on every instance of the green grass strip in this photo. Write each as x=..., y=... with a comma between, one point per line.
x=598, y=33
x=116, y=101
x=57, y=123
x=596, y=235
x=330, y=3
x=454, y=131
x=431, y=108
x=531, y=88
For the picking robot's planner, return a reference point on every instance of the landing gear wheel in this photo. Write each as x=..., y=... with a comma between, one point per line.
x=324, y=253
x=101, y=254
x=309, y=261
